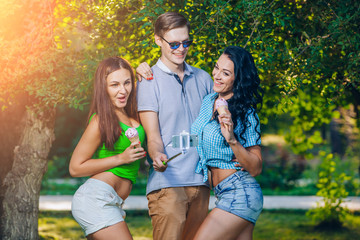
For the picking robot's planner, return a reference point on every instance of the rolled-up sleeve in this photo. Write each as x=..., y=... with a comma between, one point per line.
x=147, y=97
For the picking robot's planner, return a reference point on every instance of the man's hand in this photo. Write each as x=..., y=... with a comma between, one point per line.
x=158, y=162
x=237, y=164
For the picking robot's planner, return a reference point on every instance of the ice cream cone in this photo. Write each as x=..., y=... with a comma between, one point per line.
x=133, y=135
x=221, y=105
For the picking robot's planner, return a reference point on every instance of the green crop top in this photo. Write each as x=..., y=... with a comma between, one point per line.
x=128, y=171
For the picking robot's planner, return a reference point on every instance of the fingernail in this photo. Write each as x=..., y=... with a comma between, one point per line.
x=144, y=155
x=151, y=78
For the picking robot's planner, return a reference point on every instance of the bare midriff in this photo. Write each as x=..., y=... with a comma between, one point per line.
x=218, y=174
x=122, y=186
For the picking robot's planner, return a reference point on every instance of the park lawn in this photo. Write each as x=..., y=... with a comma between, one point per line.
x=60, y=225
x=294, y=225
x=272, y=224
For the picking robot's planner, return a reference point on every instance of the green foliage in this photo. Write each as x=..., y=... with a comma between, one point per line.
x=331, y=186
x=25, y=39
x=69, y=126
x=307, y=53
x=277, y=176
x=65, y=187
x=351, y=167
x=68, y=186
x=33, y=68
x=281, y=169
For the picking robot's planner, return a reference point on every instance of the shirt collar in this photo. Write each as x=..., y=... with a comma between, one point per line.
x=214, y=96
x=164, y=68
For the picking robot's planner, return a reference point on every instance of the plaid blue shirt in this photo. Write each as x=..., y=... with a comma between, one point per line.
x=213, y=149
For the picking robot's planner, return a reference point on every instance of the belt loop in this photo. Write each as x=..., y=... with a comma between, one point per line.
x=238, y=174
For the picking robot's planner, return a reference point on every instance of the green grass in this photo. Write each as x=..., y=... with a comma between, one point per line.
x=294, y=225
x=278, y=225
x=61, y=225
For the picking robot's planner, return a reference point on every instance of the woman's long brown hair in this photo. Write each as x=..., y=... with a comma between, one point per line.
x=110, y=129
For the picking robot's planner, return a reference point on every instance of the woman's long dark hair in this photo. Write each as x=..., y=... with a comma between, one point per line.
x=110, y=129
x=247, y=91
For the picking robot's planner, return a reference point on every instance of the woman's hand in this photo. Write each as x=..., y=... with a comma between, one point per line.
x=227, y=127
x=132, y=153
x=144, y=70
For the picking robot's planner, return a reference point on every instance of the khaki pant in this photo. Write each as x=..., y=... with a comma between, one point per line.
x=177, y=212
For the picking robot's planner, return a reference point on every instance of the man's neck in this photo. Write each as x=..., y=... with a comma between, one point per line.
x=175, y=68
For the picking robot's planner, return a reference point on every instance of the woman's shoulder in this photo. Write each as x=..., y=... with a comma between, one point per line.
x=92, y=128
x=252, y=114
x=210, y=97
x=94, y=119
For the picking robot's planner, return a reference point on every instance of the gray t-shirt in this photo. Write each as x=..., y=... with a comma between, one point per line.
x=177, y=104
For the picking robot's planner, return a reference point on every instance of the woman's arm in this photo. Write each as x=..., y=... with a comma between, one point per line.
x=248, y=158
x=82, y=164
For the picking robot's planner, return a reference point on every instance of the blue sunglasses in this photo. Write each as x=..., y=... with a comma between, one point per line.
x=176, y=45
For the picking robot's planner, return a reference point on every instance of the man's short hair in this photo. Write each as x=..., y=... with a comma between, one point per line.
x=168, y=21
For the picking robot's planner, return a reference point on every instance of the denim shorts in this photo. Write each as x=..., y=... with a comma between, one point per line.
x=241, y=195
x=96, y=205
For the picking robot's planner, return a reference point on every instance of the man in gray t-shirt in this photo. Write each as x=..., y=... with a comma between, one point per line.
x=167, y=105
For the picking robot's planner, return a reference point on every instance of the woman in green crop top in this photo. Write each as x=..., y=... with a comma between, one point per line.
x=106, y=155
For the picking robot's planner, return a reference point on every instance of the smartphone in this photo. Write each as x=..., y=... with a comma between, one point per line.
x=186, y=143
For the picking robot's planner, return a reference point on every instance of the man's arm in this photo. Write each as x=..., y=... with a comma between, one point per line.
x=150, y=122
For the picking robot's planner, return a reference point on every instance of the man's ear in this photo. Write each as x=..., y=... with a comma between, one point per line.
x=158, y=40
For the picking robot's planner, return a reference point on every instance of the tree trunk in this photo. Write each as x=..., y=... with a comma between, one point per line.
x=337, y=139
x=20, y=187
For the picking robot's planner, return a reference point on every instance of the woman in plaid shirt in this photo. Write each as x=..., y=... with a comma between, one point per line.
x=233, y=134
